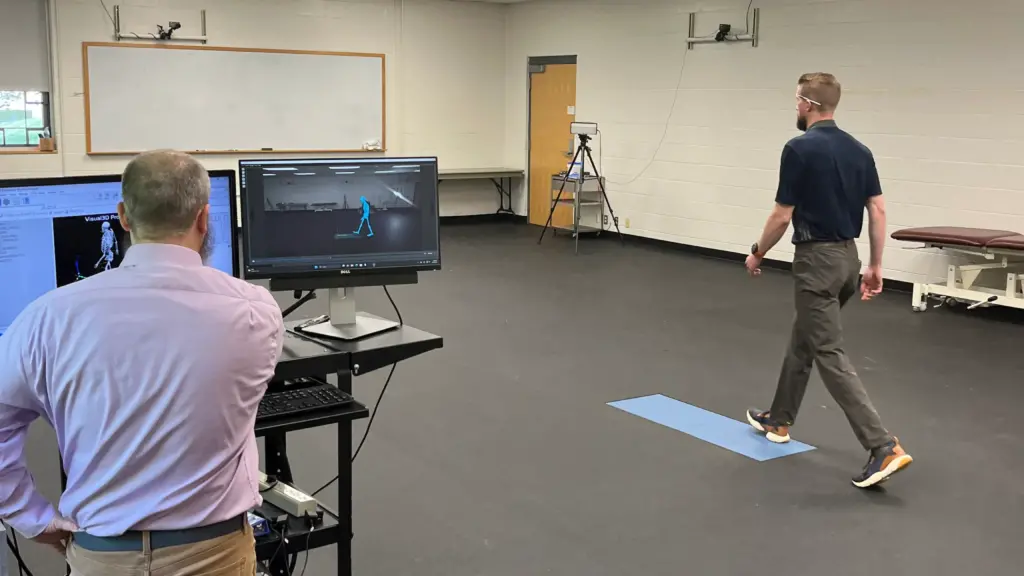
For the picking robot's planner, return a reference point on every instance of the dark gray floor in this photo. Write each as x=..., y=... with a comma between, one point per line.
x=497, y=455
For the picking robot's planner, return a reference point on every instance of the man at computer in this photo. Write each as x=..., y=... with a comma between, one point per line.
x=151, y=374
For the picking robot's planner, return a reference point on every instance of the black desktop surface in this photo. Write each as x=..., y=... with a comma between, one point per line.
x=363, y=355
x=304, y=356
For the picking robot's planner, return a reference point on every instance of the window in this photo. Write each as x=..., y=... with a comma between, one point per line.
x=24, y=73
x=24, y=117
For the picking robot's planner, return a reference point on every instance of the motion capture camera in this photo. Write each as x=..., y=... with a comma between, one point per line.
x=723, y=32
x=165, y=34
x=583, y=128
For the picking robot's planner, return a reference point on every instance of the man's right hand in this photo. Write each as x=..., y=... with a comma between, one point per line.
x=871, y=283
x=57, y=534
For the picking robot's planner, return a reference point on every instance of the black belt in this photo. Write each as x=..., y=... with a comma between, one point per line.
x=132, y=540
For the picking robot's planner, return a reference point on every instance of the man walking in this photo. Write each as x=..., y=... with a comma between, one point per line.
x=826, y=180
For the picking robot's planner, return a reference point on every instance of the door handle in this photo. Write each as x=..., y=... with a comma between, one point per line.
x=569, y=152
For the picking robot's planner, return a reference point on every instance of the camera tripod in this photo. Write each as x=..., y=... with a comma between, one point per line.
x=584, y=148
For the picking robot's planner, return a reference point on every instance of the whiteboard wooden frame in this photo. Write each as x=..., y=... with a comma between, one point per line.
x=88, y=113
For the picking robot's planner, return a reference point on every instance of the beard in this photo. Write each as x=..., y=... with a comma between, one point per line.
x=207, y=249
x=801, y=123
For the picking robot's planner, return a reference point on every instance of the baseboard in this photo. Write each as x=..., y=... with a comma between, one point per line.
x=483, y=219
x=894, y=285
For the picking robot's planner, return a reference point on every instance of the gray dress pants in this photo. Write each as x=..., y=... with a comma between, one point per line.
x=825, y=275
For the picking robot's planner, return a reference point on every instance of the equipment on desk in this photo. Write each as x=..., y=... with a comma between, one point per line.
x=993, y=273
x=583, y=131
x=59, y=231
x=301, y=396
x=287, y=498
x=260, y=525
x=339, y=224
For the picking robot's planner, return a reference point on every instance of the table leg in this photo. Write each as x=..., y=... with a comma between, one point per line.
x=345, y=484
x=503, y=193
x=275, y=446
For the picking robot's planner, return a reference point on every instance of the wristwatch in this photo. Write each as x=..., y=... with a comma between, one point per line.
x=754, y=250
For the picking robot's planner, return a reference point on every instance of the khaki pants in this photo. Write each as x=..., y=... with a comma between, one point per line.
x=825, y=275
x=230, y=555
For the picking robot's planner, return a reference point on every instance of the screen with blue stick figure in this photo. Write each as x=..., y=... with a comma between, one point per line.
x=312, y=215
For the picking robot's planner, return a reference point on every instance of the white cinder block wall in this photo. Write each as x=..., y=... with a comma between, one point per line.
x=445, y=73
x=934, y=87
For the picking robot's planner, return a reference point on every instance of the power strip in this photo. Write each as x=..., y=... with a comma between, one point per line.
x=287, y=498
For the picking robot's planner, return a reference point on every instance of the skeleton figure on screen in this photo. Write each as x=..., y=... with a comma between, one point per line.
x=366, y=217
x=108, y=246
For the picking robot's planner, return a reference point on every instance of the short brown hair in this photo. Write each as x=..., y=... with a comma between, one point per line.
x=822, y=88
x=163, y=192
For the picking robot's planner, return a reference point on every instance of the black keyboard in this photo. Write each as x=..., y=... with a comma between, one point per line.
x=300, y=397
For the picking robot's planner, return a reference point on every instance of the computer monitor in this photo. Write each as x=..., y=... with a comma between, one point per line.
x=56, y=231
x=321, y=216
x=337, y=224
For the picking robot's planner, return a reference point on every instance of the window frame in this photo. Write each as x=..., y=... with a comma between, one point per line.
x=47, y=121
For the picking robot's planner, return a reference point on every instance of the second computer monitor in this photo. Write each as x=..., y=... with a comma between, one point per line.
x=324, y=216
x=58, y=231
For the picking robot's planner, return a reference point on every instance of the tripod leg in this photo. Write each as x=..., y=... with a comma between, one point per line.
x=558, y=198
x=600, y=185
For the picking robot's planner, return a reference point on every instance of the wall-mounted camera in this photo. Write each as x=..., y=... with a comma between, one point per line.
x=166, y=33
x=723, y=32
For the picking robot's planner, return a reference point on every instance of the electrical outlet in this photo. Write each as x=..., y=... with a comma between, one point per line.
x=605, y=219
x=616, y=220
x=627, y=222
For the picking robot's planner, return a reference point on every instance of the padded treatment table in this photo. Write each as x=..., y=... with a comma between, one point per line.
x=989, y=271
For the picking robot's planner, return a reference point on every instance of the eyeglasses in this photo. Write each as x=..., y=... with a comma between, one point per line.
x=806, y=99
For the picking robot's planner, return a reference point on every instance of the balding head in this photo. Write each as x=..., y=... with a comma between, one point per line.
x=165, y=199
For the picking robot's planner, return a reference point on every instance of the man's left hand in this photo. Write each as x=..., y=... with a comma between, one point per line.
x=57, y=534
x=753, y=265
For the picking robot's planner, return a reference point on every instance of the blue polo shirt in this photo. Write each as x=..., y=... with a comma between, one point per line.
x=827, y=176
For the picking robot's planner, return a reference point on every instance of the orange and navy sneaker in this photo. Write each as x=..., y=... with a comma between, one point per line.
x=885, y=461
x=762, y=422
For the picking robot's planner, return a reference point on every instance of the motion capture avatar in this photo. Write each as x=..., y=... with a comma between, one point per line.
x=108, y=246
x=366, y=217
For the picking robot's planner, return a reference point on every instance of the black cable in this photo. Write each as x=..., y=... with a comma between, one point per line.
x=305, y=561
x=668, y=121
x=12, y=543
x=373, y=415
x=309, y=296
x=367, y=431
x=109, y=17
x=747, y=31
x=281, y=544
x=376, y=404
x=395, y=306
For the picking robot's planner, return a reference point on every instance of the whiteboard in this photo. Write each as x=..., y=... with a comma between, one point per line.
x=209, y=99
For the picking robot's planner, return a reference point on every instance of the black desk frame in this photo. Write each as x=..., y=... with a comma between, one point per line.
x=337, y=525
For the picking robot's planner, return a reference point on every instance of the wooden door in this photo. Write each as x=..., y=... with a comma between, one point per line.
x=552, y=109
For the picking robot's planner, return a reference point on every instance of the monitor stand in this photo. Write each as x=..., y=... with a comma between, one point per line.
x=346, y=323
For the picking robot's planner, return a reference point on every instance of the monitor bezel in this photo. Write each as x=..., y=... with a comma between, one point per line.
x=108, y=178
x=243, y=163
